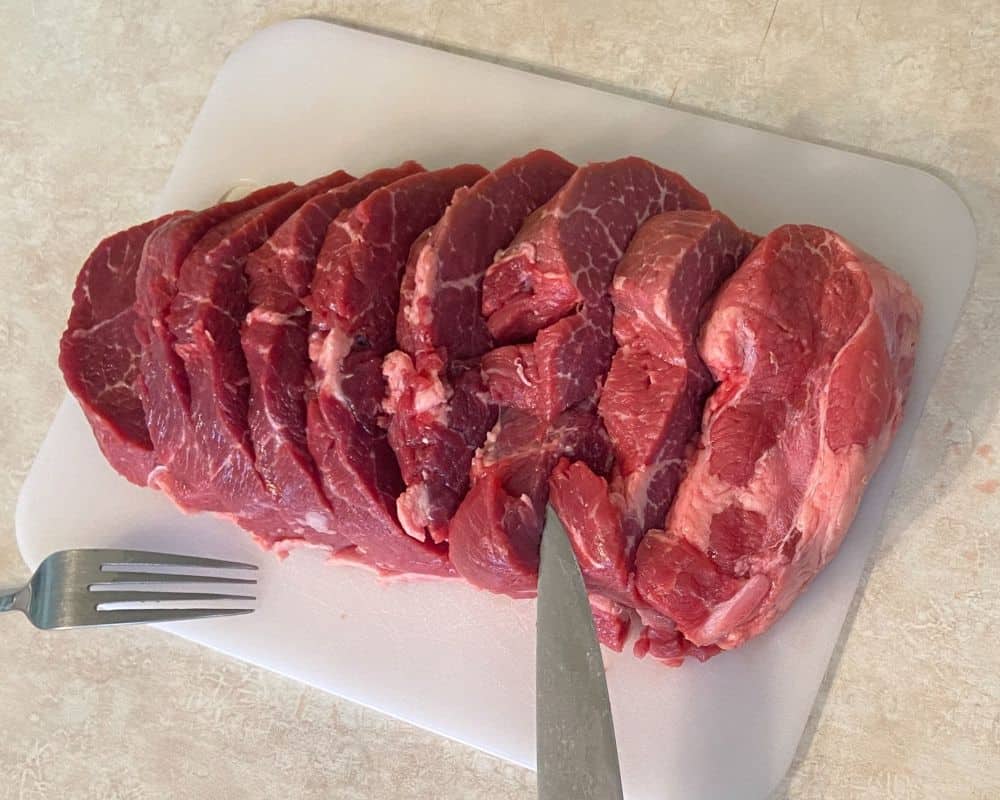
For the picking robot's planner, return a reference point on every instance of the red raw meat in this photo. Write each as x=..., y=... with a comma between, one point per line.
x=552, y=281
x=100, y=355
x=612, y=621
x=503, y=514
x=275, y=341
x=354, y=301
x=592, y=516
x=660, y=639
x=423, y=428
x=655, y=390
x=162, y=381
x=440, y=411
x=215, y=469
x=813, y=342
x=565, y=365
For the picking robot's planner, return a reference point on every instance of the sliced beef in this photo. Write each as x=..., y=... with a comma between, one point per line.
x=275, y=344
x=261, y=360
x=100, y=355
x=354, y=302
x=163, y=383
x=564, y=366
x=593, y=514
x=657, y=385
x=552, y=282
x=592, y=518
x=612, y=621
x=500, y=521
x=813, y=343
x=651, y=401
x=660, y=639
x=209, y=463
x=440, y=409
x=219, y=473
x=440, y=413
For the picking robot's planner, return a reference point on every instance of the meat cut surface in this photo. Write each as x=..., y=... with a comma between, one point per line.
x=660, y=639
x=163, y=382
x=215, y=470
x=440, y=413
x=354, y=302
x=565, y=254
x=655, y=390
x=812, y=341
x=439, y=405
x=552, y=282
x=275, y=344
x=100, y=354
x=500, y=521
x=592, y=518
x=407, y=368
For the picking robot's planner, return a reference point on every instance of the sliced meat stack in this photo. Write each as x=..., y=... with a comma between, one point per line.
x=651, y=403
x=354, y=301
x=552, y=283
x=213, y=468
x=657, y=384
x=812, y=342
x=163, y=383
x=405, y=368
x=441, y=412
x=275, y=343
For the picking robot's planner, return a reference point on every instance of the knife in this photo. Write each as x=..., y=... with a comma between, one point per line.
x=576, y=752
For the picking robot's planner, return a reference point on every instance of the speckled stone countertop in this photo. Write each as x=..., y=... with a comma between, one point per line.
x=911, y=708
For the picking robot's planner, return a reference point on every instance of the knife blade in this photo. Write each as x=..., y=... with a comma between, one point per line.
x=576, y=752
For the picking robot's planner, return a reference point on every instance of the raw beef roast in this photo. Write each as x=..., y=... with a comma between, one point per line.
x=497, y=526
x=406, y=368
x=275, y=343
x=593, y=517
x=653, y=396
x=215, y=471
x=440, y=412
x=354, y=301
x=813, y=343
x=163, y=383
x=553, y=281
x=651, y=405
x=99, y=353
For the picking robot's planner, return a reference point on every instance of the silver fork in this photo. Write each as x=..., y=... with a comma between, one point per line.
x=72, y=588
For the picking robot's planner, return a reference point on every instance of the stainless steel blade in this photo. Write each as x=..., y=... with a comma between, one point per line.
x=577, y=755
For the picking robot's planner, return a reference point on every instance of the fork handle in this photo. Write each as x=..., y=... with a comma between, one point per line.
x=7, y=598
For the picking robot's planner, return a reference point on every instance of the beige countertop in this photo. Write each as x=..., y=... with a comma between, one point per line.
x=95, y=101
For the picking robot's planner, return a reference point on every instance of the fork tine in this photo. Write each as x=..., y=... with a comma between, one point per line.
x=117, y=577
x=151, y=597
x=110, y=558
x=129, y=616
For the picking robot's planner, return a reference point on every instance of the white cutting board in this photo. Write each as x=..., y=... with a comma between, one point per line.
x=305, y=97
